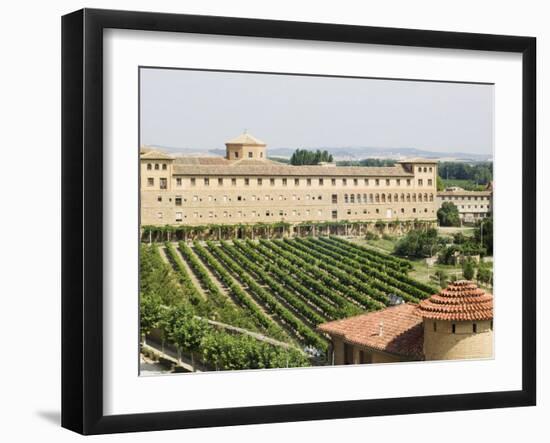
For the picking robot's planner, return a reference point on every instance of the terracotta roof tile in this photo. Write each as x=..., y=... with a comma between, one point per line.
x=460, y=301
x=396, y=330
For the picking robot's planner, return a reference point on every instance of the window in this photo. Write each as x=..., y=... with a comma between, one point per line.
x=210, y=214
x=296, y=182
x=179, y=216
x=150, y=181
x=414, y=210
x=358, y=198
x=349, y=211
x=425, y=169
x=346, y=198
x=159, y=198
x=225, y=214
x=220, y=181
x=387, y=182
x=474, y=328
x=250, y=155
x=377, y=182
x=408, y=182
x=398, y=182
x=284, y=181
x=210, y=198
x=272, y=181
x=344, y=181
x=159, y=215
x=352, y=198
x=333, y=181
x=430, y=169
x=319, y=212
x=430, y=182
x=307, y=212
x=280, y=197
x=308, y=182
x=453, y=328
x=156, y=166
x=178, y=181
x=206, y=181
x=164, y=166
x=195, y=198
x=193, y=181
x=420, y=183
x=435, y=326
x=355, y=182
x=239, y=198
x=334, y=215
x=334, y=198
x=233, y=182
x=366, y=181
x=321, y=182
x=246, y=181
x=236, y=155
x=178, y=200
x=419, y=169
x=163, y=183
x=149, y=166
x=259, y=182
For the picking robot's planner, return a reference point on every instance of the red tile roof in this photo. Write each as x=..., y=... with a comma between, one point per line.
x=460, y=301
x=396, y=330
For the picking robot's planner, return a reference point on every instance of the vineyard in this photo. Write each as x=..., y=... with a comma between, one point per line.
x=280, y=289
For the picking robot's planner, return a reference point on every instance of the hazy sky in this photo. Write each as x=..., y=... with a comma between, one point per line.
x=201, y=110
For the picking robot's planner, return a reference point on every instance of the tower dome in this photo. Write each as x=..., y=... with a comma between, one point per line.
x=458, y=323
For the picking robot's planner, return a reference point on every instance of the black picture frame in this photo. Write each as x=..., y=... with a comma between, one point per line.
x=82, y=215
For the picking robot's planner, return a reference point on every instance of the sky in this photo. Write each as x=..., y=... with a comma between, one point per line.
x=201, y=110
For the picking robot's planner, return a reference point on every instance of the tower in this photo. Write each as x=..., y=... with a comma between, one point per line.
x=458, y=323
x=245, y=146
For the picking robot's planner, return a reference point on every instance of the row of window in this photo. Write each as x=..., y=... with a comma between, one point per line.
x=297, y=181
x=179, y=216
x=157, y=166
x=462, y=197
x=453, y=327
x=425, y=169
x=348, y=198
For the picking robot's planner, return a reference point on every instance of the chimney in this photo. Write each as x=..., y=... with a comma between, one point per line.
x=381, y=329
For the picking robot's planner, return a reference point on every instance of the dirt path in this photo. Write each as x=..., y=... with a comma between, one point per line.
x=189, y=271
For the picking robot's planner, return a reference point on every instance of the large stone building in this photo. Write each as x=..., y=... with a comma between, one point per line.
x=455, y=324
x=244, y=187
x=472, y=205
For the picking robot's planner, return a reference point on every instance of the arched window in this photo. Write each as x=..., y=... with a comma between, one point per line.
x=402, y=197
x=425, y=197
x=420, y=197
x=431, y=197
x=358, y=198
x=408, y=197
x=352, y=198
x=396, y=198
x=389, y=198
x=383, y=198
x=371, y=199
x=377, y=198
x=414, y=197
x=364, y=198
x=346, y=198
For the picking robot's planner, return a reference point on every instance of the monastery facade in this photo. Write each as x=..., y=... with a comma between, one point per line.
x=244, y=187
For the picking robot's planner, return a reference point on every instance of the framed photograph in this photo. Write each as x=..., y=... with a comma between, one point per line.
x=269, y=221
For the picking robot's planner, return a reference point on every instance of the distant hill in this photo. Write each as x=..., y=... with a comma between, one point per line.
x=353, y=153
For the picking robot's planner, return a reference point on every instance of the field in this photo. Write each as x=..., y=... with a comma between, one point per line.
x=281, y=290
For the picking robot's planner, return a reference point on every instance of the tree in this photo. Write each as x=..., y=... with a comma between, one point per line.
x=418, y=243
x=485, y=274
x=305, y=157
x=442, y=278
x=440, y=184
x=150, y=313
x=483, y=234
x=186, y=331
x=448, y=215
x=468, y=269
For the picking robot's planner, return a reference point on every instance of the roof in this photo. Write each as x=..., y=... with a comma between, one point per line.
x=245, y=139
x=397, y=330
x=201, y=166
x=467, y=193
x=460, y=301
x=156, y=155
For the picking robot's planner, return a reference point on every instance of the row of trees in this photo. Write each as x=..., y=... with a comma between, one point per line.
x=479, y=173
x=305, y=157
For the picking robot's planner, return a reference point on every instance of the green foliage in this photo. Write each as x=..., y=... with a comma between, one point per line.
x=468, y=269
x=442, y=278
x=485, y=273
x=448, y=215
x=449, y=255
x=305, y=157
x=379, y=162
x=483, y=234
x=440, y=184
x=371, y=236
x=419, y=243
x=480, y=173
x=150, y=313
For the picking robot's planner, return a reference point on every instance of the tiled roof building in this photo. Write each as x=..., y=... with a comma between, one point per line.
x=456, y=324
x=245, y=187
